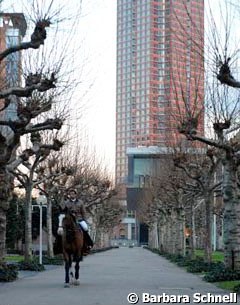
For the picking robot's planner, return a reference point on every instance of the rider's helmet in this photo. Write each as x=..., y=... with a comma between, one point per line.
x=72, y=190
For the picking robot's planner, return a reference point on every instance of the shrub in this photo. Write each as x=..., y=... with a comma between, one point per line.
x=154, y=250
x=183, y=261
x=199, y=265
x=237, y=288
x=177, y=258
x=31, y=266
x=14, y=252
x=196, y=265
x=57, y=260
x=222, y=274
x=8, y=272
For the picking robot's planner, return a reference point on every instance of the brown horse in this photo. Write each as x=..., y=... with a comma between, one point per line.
x=72, y=242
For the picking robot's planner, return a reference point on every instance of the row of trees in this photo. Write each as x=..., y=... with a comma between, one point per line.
x=53, y=178
x=204, y=179
x=184, y=197
x=39, y=152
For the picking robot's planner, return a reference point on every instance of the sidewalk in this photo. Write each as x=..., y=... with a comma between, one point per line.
x=106, y=279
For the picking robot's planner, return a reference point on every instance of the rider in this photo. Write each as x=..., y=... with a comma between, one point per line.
x=77, y=209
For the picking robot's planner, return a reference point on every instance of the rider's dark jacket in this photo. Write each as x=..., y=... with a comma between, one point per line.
x=76, y=207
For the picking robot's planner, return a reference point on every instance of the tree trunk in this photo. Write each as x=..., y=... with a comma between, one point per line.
x=98, y=238
x=163, y=245
x=49, y=228
x=173, y=232
x=183, y=233
x=231, y=216
x=28, y=223
x=180, y=224
x=208, y=229
x=159, y=236
x=5, y=185
x=2, y=230
x=156, y=240
x=191, y=247
x=168, y=234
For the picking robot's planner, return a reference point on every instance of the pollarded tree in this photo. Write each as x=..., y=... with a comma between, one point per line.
x=91, y=181
x=222, y=109
x=104, y=217
x=29, y=179
x=76, y=169
x=201, y=168
x=21, y=125
x=31, y=99
x=162, y=208
x=174, y=210
x=53, y=175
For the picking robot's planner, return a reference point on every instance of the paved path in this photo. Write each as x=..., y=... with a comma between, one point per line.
x=106, y=279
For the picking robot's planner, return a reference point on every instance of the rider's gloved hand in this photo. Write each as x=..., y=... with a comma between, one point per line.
x=83, y=225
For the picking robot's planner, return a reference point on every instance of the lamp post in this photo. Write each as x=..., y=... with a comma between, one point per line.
x=41, y=202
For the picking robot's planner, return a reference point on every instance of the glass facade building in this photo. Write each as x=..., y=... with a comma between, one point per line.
x=160, y=72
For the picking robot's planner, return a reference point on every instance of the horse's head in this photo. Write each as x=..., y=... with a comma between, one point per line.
x=70, y=219
x=67, y=220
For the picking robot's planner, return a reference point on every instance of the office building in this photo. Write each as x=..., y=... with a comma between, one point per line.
x=160, y=73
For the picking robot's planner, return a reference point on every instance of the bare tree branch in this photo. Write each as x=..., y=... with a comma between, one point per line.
x=37, y=39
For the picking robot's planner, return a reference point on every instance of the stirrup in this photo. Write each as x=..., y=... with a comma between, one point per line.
x=87, y=251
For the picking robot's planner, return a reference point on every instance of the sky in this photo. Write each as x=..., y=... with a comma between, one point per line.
x=100, y=42
x=96, y=56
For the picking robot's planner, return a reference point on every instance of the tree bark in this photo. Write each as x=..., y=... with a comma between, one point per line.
x=49, y=228
x=162, y=232
x=208, y=229
x=2, y=232
x=191, y=249
x=180, y=224
x=156, y=240
x=98, y=238
x=231, y=216
x=28, y=223
x=173, y=232
x=5, y=183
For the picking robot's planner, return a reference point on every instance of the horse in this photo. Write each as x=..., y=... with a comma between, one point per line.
x=72, y=246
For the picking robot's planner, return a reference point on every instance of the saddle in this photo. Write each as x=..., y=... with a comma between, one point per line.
x=88, y=244
x=57, y=245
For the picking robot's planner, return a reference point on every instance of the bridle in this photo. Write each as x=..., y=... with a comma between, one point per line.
x=70, y=226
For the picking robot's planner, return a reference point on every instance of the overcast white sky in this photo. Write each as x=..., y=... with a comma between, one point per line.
x=99, y=33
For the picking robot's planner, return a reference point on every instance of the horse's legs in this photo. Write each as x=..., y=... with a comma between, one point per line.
x=67, y=265
x=77, y=267
x=70, y=269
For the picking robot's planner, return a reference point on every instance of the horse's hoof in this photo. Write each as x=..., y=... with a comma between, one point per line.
x=76, y=282
x=66, y=285
x=72, y=281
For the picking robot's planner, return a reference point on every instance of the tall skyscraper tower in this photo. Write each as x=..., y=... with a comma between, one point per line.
x=160, y=72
